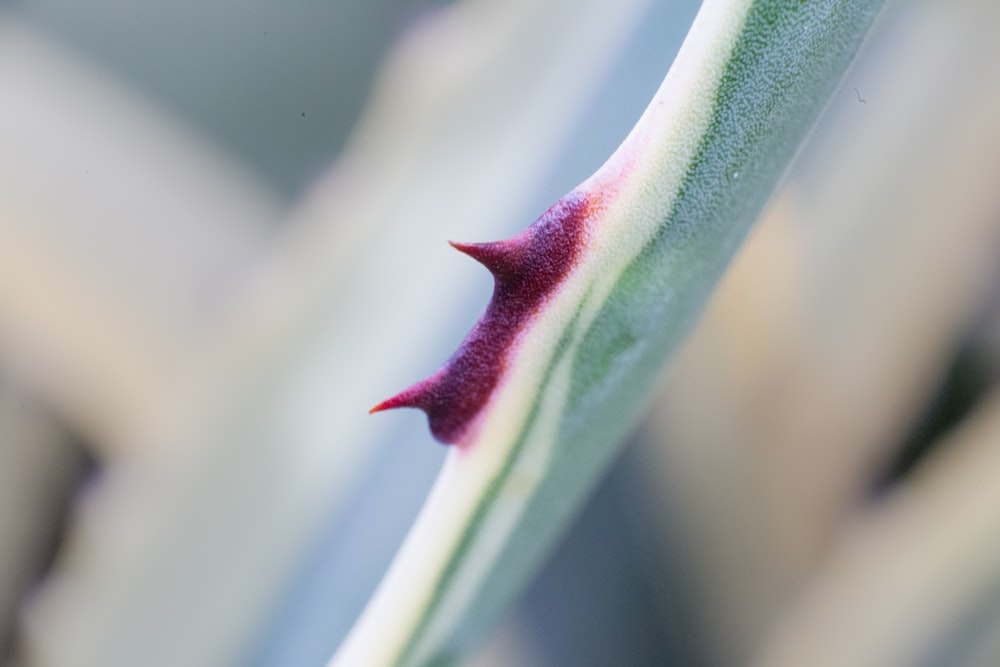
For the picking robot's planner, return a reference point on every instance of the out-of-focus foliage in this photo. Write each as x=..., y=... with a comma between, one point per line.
x=152, y=317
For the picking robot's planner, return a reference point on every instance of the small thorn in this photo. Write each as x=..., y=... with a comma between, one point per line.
x=384, y=405
x=500, y=257
x=413, y=397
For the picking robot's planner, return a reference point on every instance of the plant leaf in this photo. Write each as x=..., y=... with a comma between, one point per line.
x=665, y=214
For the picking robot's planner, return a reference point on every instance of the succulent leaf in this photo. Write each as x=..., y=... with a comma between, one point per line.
x=589, y=303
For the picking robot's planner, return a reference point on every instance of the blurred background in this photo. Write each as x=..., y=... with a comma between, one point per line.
x=223, y=238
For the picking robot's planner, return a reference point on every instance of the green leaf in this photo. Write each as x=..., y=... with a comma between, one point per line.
x=674, y=202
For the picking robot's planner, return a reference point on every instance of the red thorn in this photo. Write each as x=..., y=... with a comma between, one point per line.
x=409, y=398
x=502, y=258
x=527, y=269
x=384, y=405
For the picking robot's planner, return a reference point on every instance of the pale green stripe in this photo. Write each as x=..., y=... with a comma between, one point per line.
x=784, y=66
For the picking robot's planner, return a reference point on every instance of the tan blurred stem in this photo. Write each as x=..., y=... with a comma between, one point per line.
x=905, y=574
x=120, y=233
x=837, y=321
x=39, y=466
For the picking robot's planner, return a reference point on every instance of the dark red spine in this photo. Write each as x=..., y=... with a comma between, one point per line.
x=526, y=269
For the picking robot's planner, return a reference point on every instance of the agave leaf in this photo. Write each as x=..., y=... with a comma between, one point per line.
x=640, y=246
x=826, y=340
x=232, y=433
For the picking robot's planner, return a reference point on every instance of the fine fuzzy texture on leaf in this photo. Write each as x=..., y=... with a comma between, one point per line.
x=675, y=201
